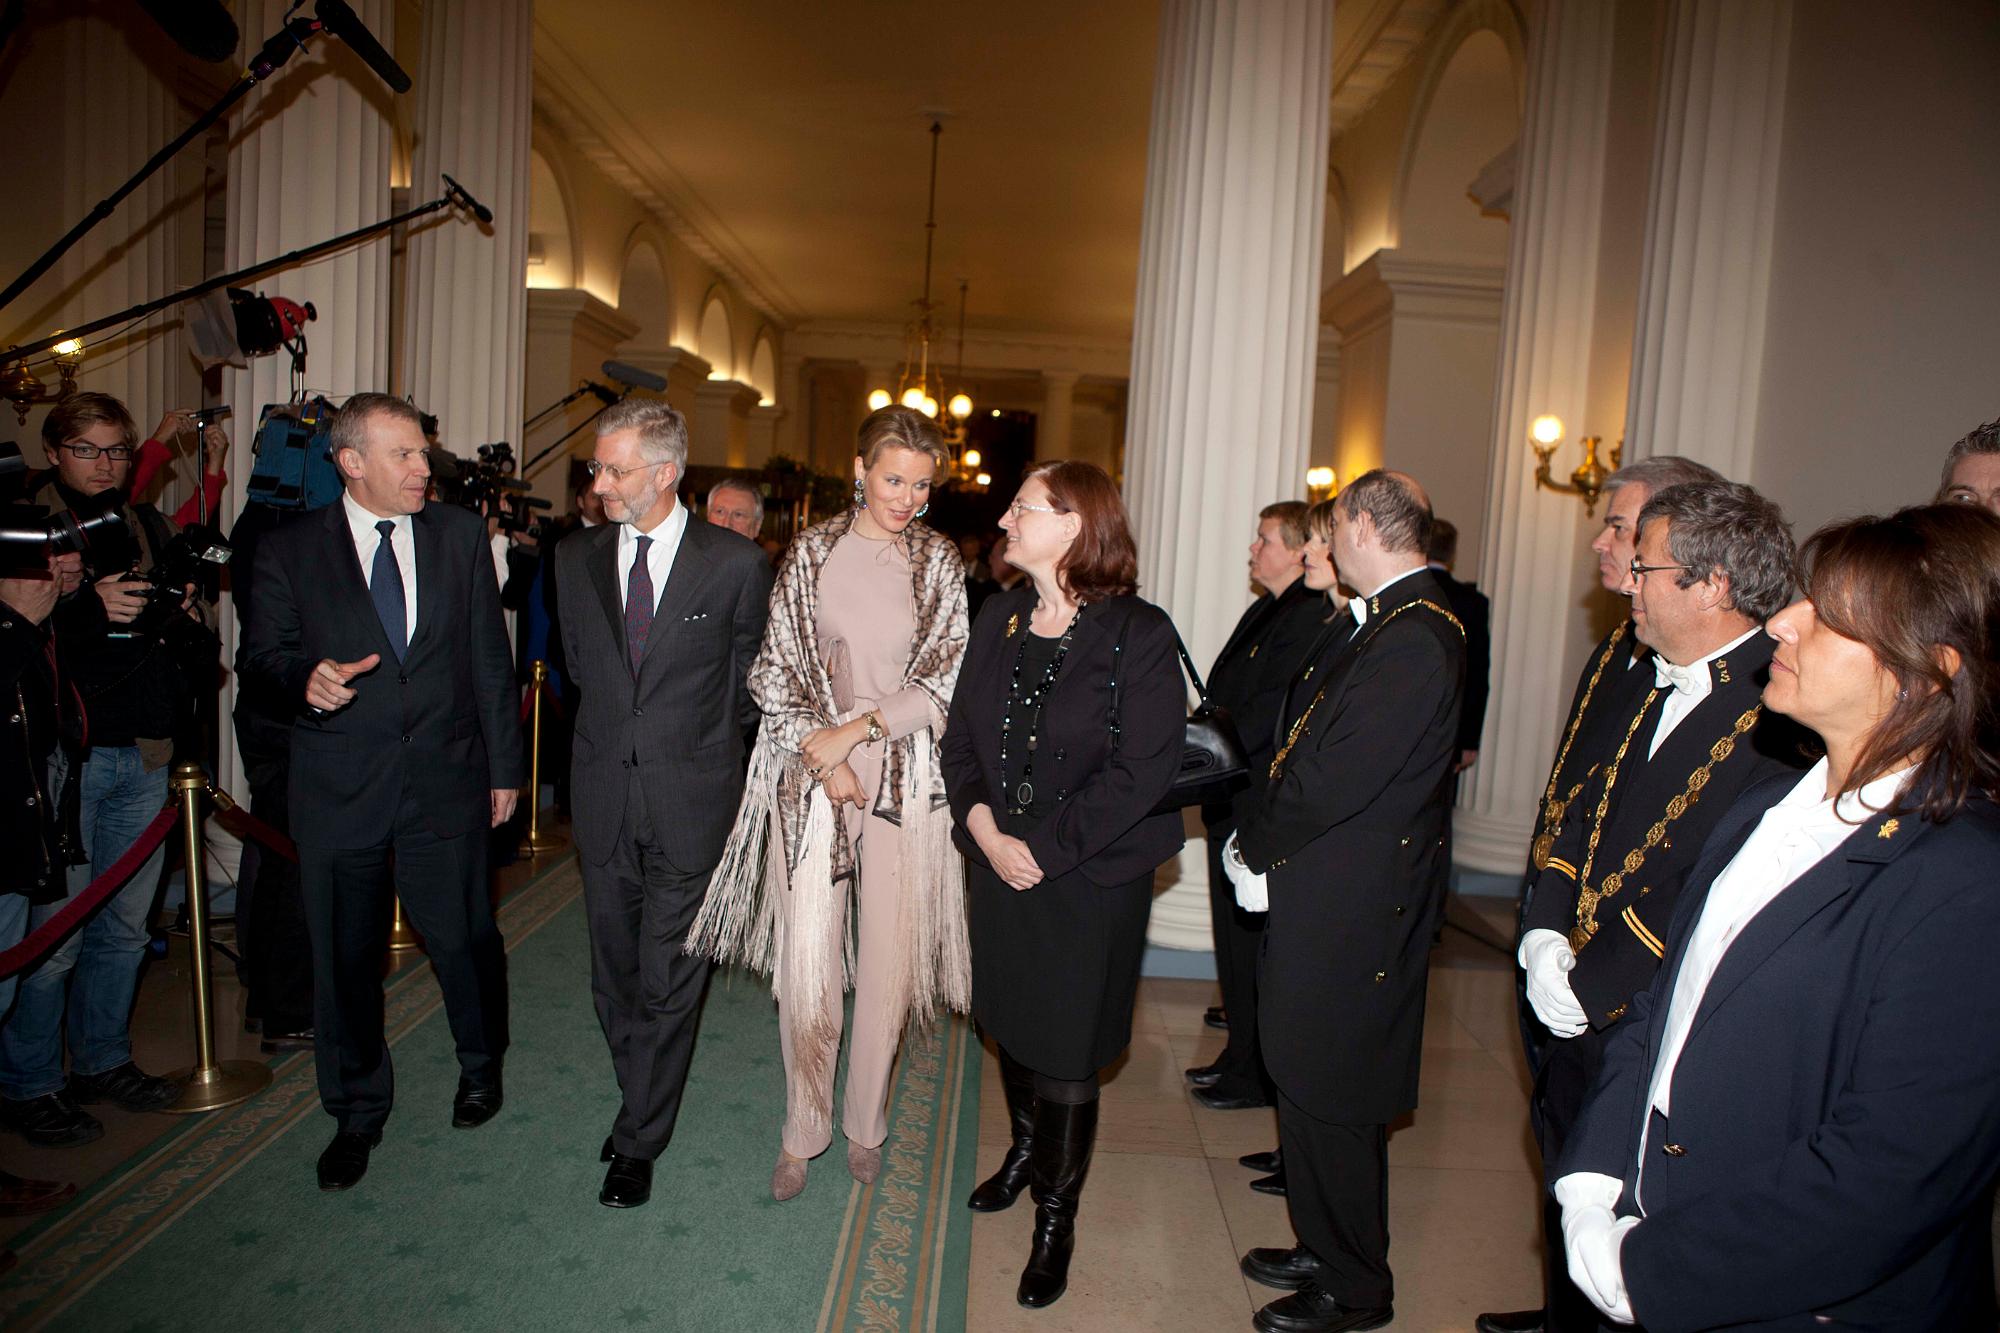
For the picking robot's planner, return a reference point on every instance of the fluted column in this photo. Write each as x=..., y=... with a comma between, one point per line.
x=1698, y=351
x=309, y=158
x=467, y=315
x=1227, y=324
x=1534, y=547
x=1053, y=423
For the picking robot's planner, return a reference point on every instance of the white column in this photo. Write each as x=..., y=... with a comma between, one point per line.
x=467, y=294
x=1698, y=351
x=310, y=156
x=1053, y=422
x=1534, y=545
x=1227, y=325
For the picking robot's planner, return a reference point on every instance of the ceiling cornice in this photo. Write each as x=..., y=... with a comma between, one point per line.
x=606, y=137
x=1388, y=36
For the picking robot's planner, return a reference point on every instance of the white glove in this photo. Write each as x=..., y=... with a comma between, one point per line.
x=1592, y=1241
x=1546, y=957
x=1252, y=893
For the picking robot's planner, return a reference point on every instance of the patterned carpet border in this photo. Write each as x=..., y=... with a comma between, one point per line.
x=88, y=1241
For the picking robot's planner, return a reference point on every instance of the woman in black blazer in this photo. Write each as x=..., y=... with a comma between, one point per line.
x=1798, y=1124
x=1052, y=803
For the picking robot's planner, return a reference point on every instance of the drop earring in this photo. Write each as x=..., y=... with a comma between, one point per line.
x=925, y=510
x=860, y=496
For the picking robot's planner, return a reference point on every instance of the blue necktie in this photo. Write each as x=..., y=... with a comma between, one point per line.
x=385, y=588
x=638, y=605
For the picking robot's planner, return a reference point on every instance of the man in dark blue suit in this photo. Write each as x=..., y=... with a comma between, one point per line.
x=381, y=618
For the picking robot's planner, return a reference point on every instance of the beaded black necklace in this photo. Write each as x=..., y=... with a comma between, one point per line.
x=1021, y=795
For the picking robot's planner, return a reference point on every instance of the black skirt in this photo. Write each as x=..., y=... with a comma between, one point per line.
x=1055, y=969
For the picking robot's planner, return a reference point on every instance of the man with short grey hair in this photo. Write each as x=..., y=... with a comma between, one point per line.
x=734, y=503
x=1972, y=470
x=1713, y=560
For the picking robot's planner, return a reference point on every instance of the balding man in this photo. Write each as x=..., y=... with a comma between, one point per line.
x=1346, y=844
x=1972, y=470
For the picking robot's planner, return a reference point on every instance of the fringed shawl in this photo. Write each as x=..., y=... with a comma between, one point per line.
x=743, y=919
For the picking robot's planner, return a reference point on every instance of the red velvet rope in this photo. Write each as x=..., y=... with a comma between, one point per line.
x=528, y=700
x=44, y=939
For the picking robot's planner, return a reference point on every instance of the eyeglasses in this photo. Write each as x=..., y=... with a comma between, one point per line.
x=617, y=474
x=1020, y=507
x=1640, y=571
x=117, y=453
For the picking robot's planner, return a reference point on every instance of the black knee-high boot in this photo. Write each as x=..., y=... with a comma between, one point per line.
x=1059, y=1160
x=1000, y=1189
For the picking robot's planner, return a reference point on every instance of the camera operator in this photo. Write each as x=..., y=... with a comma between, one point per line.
x=135, y=681
x=30, y=828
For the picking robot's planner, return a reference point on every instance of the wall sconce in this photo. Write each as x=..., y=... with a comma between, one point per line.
x=1545, y=433
x=1320, y=484
x=24, y=389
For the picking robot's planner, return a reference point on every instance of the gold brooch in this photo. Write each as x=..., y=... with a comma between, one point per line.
x=1888, y=829
x=1013, y=623
x=1722, y=669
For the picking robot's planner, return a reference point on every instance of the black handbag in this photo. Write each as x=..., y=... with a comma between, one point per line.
x=1213, y=764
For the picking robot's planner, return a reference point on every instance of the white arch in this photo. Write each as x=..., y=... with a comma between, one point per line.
x=1499, y=17
x=1470, y=119
x=551, y=225
x=715, y=343
x=764, y=368
x=645, y=291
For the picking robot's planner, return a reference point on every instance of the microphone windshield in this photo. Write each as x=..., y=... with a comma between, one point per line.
x=338, y=18
x=634, y=378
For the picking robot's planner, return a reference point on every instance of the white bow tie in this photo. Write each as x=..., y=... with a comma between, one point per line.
x=1684, y=680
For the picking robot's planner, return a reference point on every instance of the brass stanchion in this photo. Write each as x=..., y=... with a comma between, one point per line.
x=209, y=1085
x=536, y=841
x=402, y=936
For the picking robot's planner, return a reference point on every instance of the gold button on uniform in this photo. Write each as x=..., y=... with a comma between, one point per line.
x=1673, y=1150
x=1381, y=976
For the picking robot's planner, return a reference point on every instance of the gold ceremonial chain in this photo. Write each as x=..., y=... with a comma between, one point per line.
x=1588, y=898
x=1299, y=727
x=1553, y=809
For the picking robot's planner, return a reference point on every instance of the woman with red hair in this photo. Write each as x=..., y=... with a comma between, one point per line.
x=1065, y=732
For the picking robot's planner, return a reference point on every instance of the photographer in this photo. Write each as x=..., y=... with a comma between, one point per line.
x=134, y=668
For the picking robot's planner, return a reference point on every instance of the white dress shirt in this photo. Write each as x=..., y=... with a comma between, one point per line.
x=666, y=535
x=402, y=541
x=1794, y=835
x=1689, y=685
x=1359, y=605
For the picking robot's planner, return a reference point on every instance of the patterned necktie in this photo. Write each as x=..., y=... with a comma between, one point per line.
x=385, y=589
x=638, y=606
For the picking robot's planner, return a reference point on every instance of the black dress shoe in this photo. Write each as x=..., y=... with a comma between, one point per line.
x=22, y=1198
x=295, y=1040
x=1314, y=1311
x=1226, y=1101
x=1204, y=1076
x=1215, y=1018
x=1266, y=1162
x=1287, y=1270
x=475, y=1104
x=605, y=1154
x=127, y=1087
x=1271, y=1184
x=345, y=1160
x=628, y=1182
x=51, y=1120
x=1513, y=1321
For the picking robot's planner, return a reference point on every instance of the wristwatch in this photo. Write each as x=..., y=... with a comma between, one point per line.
x=875, y=732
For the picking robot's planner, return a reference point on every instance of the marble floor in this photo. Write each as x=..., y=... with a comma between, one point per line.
x=1168, y=1210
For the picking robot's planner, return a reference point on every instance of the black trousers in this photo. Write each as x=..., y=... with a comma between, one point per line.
x=443, y=887
x=1569, y=1070
x=277, y=948
x=1337, y=1188
x=1238, y=935
x=648, y=992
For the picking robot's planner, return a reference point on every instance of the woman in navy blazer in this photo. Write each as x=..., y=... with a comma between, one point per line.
x=1798, y=1124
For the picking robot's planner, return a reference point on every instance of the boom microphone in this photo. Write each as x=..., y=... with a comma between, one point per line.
x=339, y=19
x=202, y=28
x=631, y=377
x=463, y=198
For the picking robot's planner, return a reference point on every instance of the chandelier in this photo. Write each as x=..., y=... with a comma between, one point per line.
x=920, y=383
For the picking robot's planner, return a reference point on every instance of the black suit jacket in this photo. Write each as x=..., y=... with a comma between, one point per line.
x=1249, y=678
x=683, y=719
x=436, y=732
x=1103, y=826
x=1837, y=1102
x=1352, y=835
x=1633, y=924
x=1476, y=614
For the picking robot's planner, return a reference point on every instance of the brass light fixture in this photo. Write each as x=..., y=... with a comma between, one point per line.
x=1321, y=484
x=23, y=388
x=1545, y=434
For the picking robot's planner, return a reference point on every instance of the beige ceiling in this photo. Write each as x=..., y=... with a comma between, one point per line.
x=791, y=135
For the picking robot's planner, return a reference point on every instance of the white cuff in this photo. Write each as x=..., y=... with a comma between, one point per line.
x=1252, y=892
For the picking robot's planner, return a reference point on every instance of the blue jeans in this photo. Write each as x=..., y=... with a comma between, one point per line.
x=95, y=972
x=13, y=926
